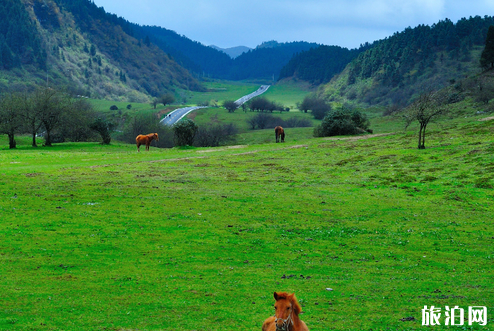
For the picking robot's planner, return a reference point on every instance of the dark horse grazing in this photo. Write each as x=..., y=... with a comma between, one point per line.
x=146, y=140
x=286, y=311
x=279, y=133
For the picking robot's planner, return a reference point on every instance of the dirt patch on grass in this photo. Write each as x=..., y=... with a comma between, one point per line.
x=487, y=118
x=367, y=136
x=221, y=149
x=298, y=146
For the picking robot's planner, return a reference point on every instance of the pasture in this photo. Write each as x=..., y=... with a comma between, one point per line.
x=99, y=237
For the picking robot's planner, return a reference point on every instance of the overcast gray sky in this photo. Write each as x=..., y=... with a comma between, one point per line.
x=228, y=23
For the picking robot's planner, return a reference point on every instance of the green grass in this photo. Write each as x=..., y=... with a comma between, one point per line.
x=99, y=237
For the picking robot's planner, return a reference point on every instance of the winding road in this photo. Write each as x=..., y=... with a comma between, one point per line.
x=176, y=115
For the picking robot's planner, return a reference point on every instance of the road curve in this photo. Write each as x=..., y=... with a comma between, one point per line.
x=176, y=115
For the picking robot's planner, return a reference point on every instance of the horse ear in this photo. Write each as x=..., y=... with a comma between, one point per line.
x=276, y=296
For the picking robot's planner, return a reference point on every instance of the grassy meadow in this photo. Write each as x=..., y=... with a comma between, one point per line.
x=99, y=237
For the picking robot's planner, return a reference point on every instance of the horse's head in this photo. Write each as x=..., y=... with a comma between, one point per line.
x=286, y=307
x=155, y=136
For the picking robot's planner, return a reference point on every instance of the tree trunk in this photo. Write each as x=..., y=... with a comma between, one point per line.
x=47, y=138
x=34, y=140
x=420, y=136
x=423, y=137
x=12, y=143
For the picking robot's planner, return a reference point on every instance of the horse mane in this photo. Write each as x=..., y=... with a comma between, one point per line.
x=290, y=297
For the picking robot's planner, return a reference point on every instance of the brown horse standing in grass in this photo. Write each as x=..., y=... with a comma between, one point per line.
x=279, y=132
x=146, y=140
x=286, y=311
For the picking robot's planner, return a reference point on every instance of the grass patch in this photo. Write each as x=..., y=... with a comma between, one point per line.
x=100, y=237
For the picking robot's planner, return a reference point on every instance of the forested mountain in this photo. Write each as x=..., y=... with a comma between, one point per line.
x=396, y=68
x=76, y=44
x=266, y=60
x=263, y=62
x=20, y=43
x=201, y=59
x=319, y=65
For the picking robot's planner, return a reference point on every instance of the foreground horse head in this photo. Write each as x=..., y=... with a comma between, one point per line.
x=146, y=140
x=279, y=132
x=286, y=314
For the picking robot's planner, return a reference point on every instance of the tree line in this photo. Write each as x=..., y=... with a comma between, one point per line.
x=55, y=115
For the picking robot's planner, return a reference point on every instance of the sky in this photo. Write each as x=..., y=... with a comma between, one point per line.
x=350, y=23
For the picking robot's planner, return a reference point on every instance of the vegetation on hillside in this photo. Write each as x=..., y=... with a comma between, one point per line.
x=396, y=69
x=20, y=42
x=319, y=65
x=77, y=44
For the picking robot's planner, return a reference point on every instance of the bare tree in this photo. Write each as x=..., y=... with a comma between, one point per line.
x=427, y=106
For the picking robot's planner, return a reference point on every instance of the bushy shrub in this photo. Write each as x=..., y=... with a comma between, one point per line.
x=263, y=121
x=213, y=135
x=262, y=104
x=318, y=106
x=185, y=132
x=342, y=122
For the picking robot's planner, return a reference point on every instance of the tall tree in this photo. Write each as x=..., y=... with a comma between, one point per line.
x=31, y=116
x=10, y=118
x=51, y=105
x=487, y=57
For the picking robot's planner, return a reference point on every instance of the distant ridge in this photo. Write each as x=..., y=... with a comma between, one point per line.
x=232, y=52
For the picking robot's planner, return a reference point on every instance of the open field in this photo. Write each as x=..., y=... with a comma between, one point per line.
x=99, y=237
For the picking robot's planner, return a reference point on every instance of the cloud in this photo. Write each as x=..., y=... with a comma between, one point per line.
x=229, y=23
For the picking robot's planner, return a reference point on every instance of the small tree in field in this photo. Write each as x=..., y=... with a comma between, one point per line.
x=10, y=116
x=230, y=105
x=104, y=128
x=167, y=99
x=427, y=106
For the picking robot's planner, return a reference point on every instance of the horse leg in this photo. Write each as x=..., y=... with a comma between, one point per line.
x=138, y=145
x=276, y=137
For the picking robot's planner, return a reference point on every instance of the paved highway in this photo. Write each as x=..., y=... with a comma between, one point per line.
x=246, y=98
x=176, y=115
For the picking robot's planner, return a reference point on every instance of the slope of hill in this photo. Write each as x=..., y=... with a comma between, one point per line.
x=397, y=68
x=92, y=52
x=319, y=65
x=266, y=60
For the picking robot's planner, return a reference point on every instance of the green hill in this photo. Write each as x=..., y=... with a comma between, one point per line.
x=395, y=69
x=76, y=44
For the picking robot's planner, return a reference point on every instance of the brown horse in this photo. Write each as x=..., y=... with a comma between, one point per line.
x=146, y=140
x=286, y=314
x=279, y=132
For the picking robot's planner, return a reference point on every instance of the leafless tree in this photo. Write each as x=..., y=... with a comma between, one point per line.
x=427, y=106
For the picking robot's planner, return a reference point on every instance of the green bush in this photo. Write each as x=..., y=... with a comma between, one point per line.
x=185, y=132
x=342, y=122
